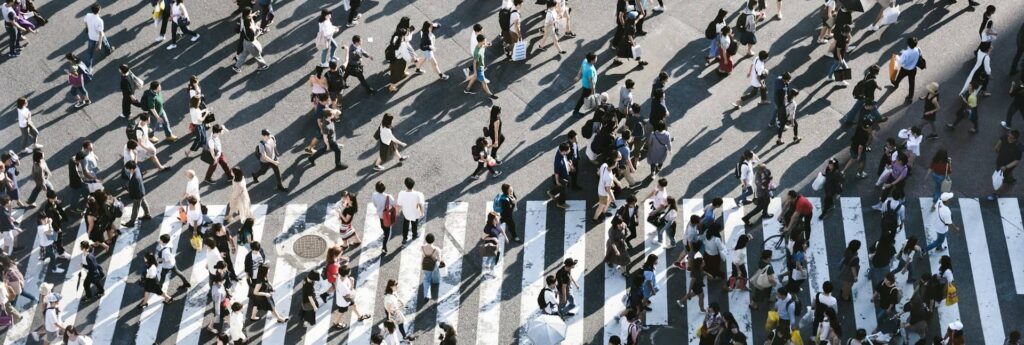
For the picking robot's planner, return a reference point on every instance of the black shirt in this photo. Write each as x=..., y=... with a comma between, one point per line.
x=1008, y=152
x=334, y=81
x=562, y=278
x=860, y=139
x=307, y=292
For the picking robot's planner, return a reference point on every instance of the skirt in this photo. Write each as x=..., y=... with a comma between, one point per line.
x=152, y=286
x=263, y=303
x=713, y=265
x=747, y=37
x=387, y=152
x=397, y=70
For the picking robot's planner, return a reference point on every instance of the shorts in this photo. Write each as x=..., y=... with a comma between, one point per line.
x=853, y=153
x=334, y=95
x=428, y=54
x=341, y=310
x=604, y=200
x=480, y=76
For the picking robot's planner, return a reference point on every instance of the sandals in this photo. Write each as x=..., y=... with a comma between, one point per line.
x=364, y=317
x=283, y=320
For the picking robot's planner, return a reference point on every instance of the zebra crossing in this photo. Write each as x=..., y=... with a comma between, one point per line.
x=987, y=261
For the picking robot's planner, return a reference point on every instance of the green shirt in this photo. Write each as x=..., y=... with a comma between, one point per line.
x=478, y=57
x=156, y=102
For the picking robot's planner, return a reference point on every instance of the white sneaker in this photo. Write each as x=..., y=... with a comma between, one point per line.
x=195, y=38
x=65, y=256
x=172, y=46
x=27, y=150
x=159, y=38
x=872, y=27
x=659, y=9
x=844, y=83
x=58, y=270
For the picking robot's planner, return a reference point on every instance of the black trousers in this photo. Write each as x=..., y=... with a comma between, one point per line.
x=127, y=101
x=263, y=170
x=510, y=224
x=358, y=73
x=583, y=97
x=558, y=192
x=387, y=234
x=783, y=121
x=966, y=112
x=1017, y=106
x=13, y=38
x=332, y=145
x=760, y=205
x=177, y=273
x=165, y=15
x=410, y=225
x=353, y=10
x=481, y=167
x=911, y=75
x=266, y=15
x=92, y=280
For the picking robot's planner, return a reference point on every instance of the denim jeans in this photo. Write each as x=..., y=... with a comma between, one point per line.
x=836, y=63
x=331, y=47
x=162, y=124
x=670, y=228
x=427, y=281
x=854, y=115
x=748, y=191
x=199, y=140
x=910, y=268
x=713, y=49
x=937, y=181
x=91, y=50
x=938, y=242
x=569, y=305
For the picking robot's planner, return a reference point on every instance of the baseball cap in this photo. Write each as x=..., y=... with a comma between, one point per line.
x=265, y=131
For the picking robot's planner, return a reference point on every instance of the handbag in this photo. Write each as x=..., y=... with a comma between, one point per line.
x=388, y=215
x=5, y=318
x=210, y=118
x=196, y=241
x=182, y=215
x=136, y=81
x=206, y=156
x=761, y=279
x=893, y=67
x=772, y=321
x=519, y=51
x=843, y=73
x=636, y=51
x=183, y=21
x=951, y=296
x=795, y=338
x=947, y=183
x=656, y=218
x=701, y=331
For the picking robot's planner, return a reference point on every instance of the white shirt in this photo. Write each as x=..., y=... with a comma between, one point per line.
x=52, y=318
x=269, y=148
x=215, y=147
x=389, y=338
x=344, y=288
x=42, y=235
x=550, y=16
x=948, y=274
x=913, y=143
x=165, y=256
x=178, y=11
x=472, y=45
x=551, y=300
x=605, y=180
x=196, y=116
x=212, y=258
x=3, y=296
x=747, y=173
x=828, y=301
x=386, y=136
x=130, y=155
x=691, y=234
x=408, y=200
x=80, y=340
x=192, y=188
x=945, y=216
x=152, y=272
x=94, y=25
x=327, y=29
x=379, y=199
x=756, y=69
x=660, y=198
x=714, y=246
x=514, y=19
x=194, y=216
x=24, y=117
x=236, y=325
x=739, y=257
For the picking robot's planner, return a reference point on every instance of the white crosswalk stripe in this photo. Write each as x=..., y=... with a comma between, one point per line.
x=35, y=271
x=694, y=315
x=410, y=273
x=536, y=264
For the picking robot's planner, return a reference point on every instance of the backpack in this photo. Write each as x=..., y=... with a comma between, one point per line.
x=505, y=18
x=710, y=32
x=741, y=22
x=132, y=131
x=497, y=206
x=858, y=90
x=588, y=129
x=117, y=209
x=541, y=302
x=263, y=144
x=798, y=307
x=890, y=218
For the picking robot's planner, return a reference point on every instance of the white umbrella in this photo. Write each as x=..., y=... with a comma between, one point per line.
x=546, y=330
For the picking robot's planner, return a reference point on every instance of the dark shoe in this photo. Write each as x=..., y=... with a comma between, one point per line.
x=341, y=167
x=146, y=217
x=254, y=179
x=129, y=225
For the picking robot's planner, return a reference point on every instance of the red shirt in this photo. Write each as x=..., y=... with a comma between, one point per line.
x=332, y=272
x=804, y=207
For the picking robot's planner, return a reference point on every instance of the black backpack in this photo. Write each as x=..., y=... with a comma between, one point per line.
x=710, y=32
x=891, y=218
x=541, y=303
x=858, y=90
x=741, y=22
x=505, y=18
x=798, y=307
x=132, y=131
x=588, y=129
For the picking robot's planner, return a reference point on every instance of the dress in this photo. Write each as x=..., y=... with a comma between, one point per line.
x=239, y=200
x=151, y=282
x=262, y=302
x=615, y=248
x=657, y=152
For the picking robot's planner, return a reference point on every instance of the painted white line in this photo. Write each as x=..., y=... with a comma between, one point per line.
x=149, y=321
x=117, y=276
x=35, y=274
x=614, y=283
x=367, y=272
x=771, y=227
x=490, y=297
x=576, y=247
x=1013, y=230
x=318, y=333
x=981, y=267
x=452, y=251
x=410, y=273
x=190, y=325
x=534, y=236
x=947, y=314
x=817, y=258
x=738, y=299
x=241, y=288
x=659, y=302
x=283, y=280
x=694, y=317
x=853, y=229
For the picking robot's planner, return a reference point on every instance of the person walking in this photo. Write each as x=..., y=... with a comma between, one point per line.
x=309, y=303
x=198, y=117
x=909, y=61
x=96, y=34
x=660, y=147
x=1008, y=156
x=746, y=25
x=697, y=283
x=152, y=282
x=347, y=208
x=40, y=176
x=355, y=62
x=561, y=176
x=389, y=145
x=129, y=84
x=180, y=19
x=165, y=258
x=140, y=131
x=1017, y=105
x=931, y=108
x=833, y=186
x=405, y=56
x=29, y=133
x=616, y=255
x=261, y=297
x=482, y=154
x=137, y=194
x=758, y=75
x=725, y=52
x=330, y=137
x=427, y=46
x=9, y=180
x=94, y=274
x=746, y=176
x=552, y=20
x=344, y=298
x=762, y=193
x=153, y=104
x=605, y=187
x=412, y=205
x=216, y=148
x=630, y=213
x=849, y=270
x=968, y=107
x=430, y=265
x=13, y=28
x=564, y=283
x=77, y=79
x=269, y=159
x=395, y=308
x=627, y=41
x=493, y=132
x=248, y=32
x=239, y=203
x=385, y=206
x=945, y=216
x=479, y=66
x=505, y=205
x=587, y=77
x=325, y=38
x=864, y=94
x=52, y=323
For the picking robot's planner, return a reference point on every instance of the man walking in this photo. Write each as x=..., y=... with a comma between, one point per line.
x=137, y=193
x=165, y=257
x=781, y=98
x=561, y=176
x=565, y=281
x=29, y=133
x=97, y=35
x=479, y=66
x=129, y=84
x=330, y=138
x=411, y=205
x=153, y=103
x=355, y=63
x=250, y=46
x=1008, y=156
x=267, y=150
x=945, y=216
x=93, y=273
x=758, y=75
x=1017, y=105
x=217, y=152
x=908, y=60
x=382, y=202
x=588, y=80
x=14, y=29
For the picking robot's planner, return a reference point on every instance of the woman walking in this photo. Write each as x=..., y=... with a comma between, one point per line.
x=714, y=251
x=180, y=19
x=747, y=27
x=344, y=298
x=395, y=309
x=697, y=283
x=939, y=171
x=238, y=202
x=484, y=162
x=226, y=246
x=77, y=79
x=552, y=18
x=616, y=255
x=627, y=42
x=347, y=208
x=668, y=222
x=849, y=270
x=325, y=38
x=931, y=108
x=198, y=117
x=711, y=34
x=317, y=90
x=906, y=256
x=430, y=265
x=262, y=298
x=151, y=282
x=427, y=46
x=40, y=175
x=725, y=51
x=833, y=186
x=493, y=132
x=738, y=276
x=404, y=56
x=389, y=145
x=660, y=147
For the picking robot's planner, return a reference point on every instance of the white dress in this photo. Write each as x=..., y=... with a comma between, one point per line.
x=239, y=200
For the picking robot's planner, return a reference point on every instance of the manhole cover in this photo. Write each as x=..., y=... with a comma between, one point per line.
x=310, y=246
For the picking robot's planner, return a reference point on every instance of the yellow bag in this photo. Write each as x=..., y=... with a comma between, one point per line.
x=157, y=10
x=951, y=295
x=701, y=331
x=795, y=338
x=196, y=241
x=772, y=322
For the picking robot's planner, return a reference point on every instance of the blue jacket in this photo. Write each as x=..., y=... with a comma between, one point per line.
x=561, y=169
x=92, y=266
x=136, y=190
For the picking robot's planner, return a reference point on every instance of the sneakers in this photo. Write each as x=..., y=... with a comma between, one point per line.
x=236, y=69
x=659, y=9
x=159, y=38
x=172, y=46
x=263, y=68
x=493, y=96
x=195, y=38
x=79, y=104
x=171, y=138
x=467, y=91
x=844, y=83
x=496, y=173
x=58, y=270
x=1005, y=125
